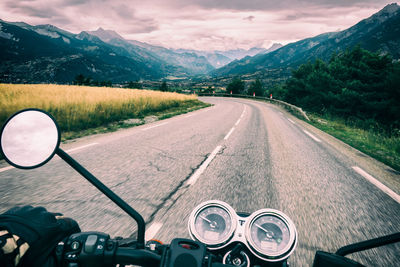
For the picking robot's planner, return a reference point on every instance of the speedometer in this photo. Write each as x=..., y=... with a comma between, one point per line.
x=271, y=234
x=212, y=223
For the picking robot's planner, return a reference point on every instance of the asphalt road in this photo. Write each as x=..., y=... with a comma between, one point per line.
x=249, y=154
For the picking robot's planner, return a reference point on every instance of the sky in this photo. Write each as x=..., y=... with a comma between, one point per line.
x=197, y=24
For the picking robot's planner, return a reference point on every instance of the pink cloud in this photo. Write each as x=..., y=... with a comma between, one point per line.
x=197, y=24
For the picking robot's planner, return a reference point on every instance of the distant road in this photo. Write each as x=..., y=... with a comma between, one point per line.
x=249, y=154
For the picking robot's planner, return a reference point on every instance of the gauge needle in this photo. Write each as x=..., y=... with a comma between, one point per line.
x=207, y=220
x=269, y=233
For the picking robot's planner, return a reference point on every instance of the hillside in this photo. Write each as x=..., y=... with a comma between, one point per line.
x=45, y=53
x=380, y=32
x=178, y=64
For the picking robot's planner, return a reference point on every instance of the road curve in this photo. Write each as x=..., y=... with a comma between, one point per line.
x=249, y=154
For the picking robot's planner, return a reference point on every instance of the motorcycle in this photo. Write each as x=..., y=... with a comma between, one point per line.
x=220, y=235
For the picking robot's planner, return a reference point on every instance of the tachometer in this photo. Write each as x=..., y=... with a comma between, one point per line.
x=271, y=234
x=212, y=223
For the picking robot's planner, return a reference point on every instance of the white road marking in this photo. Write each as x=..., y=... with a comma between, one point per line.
x=152, y=230
x=237, y=123
x=193, y=179
x=188, y=116
x=378, y=184
x=244, y=111
x=154, y=126
x=312, y=136
x=68, y=151
x=229, y=134
x=6, y=168
x=291, y=121
x=81, y=147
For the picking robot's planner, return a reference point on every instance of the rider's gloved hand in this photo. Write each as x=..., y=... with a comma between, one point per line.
x=29, y=235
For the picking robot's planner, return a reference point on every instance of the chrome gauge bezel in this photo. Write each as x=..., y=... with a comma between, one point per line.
x=281, y=254
x=212, y=203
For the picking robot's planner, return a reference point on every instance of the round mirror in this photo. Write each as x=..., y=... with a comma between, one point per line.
x=29, y=138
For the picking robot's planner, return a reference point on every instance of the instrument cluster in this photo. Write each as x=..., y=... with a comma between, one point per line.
x=269, y=234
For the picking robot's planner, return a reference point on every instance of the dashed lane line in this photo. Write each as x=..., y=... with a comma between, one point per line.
x=229, y=134
x=193, y=179
x=152, y=230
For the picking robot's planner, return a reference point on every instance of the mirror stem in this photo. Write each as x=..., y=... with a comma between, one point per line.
x=110, y=194
x=372, y=243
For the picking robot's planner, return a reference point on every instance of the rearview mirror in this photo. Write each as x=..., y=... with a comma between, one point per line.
x=29, y=138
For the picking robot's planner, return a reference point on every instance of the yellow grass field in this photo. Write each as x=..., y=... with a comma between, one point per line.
x=80, y=107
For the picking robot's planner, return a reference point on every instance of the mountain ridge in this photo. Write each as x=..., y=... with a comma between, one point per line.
x=383, y=24
x=46, y=53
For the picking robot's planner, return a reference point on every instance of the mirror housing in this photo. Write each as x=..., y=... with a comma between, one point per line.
x=29, y=138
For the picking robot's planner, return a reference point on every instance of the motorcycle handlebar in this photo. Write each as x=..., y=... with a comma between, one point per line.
x=136, y=256
x=144, y=257
x=97, y=248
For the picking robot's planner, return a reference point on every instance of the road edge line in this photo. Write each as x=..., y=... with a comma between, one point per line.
x=312, y=136
x=6, y=168
x=378, y=184
x=80, y=147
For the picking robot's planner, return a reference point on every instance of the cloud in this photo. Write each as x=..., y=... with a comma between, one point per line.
x=249, y=18
x=73, y=3
x=124, y=11
x=262, y=5
x=33, y=9
x=198, y=24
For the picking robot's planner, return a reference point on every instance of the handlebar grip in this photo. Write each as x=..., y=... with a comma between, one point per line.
x=137, y=256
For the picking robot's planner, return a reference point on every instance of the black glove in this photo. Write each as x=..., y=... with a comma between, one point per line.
x=29, y=235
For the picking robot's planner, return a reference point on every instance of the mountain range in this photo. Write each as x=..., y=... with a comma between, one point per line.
x=380, y=32
x=45, y=53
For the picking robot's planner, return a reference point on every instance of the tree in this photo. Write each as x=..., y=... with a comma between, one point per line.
x=164, y=86
x=356, y=84
x=236, y=86
x=88, y=81
x=134, y=85
x=208, y=90
x=256, y=88
x=79, y=79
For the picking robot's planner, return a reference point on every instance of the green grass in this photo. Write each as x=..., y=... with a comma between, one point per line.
x=374, y=143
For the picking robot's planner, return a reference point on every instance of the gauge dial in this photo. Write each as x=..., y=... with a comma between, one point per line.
x=212, y=223
x=271, y=234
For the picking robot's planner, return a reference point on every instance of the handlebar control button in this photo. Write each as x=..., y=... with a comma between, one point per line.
x=75, y=245
x=110, y=245
x=90, y=244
